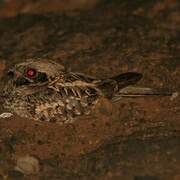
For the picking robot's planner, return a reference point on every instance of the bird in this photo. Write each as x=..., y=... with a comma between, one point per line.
x=44, y=90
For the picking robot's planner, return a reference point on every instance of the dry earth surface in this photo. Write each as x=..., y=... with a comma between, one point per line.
x=135, y=138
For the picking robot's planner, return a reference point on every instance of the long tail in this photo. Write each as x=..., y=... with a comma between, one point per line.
x=123, y=86
x=127, y=79
x=113, y=85
x=129, y=90
x=134, y=91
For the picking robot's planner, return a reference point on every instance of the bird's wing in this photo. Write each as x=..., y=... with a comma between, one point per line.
x=74, y=76
x=126, y=79
x=81, y=84
x=76, y=84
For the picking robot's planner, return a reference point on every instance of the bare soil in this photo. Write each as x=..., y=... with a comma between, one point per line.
x=135, y=138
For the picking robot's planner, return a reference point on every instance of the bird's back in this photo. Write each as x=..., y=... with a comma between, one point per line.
x=77, y=95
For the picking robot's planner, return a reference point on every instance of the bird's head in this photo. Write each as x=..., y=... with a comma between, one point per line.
x=30, y=75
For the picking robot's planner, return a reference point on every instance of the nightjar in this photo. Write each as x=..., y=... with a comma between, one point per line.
x=44, y=90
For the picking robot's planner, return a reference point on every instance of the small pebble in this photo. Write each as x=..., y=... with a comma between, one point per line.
x=174, y=96
x=6, y=115
x=27, y=165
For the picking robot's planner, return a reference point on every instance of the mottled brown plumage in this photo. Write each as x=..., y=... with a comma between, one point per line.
x=44, y=90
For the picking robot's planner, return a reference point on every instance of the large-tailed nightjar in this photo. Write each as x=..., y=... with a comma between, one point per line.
x=46, y=91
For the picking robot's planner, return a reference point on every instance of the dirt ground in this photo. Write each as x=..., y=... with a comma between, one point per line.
x=133, y=139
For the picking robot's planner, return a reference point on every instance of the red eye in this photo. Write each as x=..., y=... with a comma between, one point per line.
x=31, y=72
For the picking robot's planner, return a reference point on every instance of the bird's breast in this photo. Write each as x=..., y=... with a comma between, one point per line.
x=64, y=106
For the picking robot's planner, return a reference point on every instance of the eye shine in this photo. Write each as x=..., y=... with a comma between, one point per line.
x=31, y=73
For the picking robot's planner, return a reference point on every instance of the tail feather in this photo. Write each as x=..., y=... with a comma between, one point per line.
x=127, y=79
x=113, y=85
x=134, y=91
x=122, y=85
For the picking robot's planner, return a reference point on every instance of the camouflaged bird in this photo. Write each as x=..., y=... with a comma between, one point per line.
x=44, y=90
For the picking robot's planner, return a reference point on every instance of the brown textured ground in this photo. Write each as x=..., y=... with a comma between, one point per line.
x=10, y=8
x=130, y=139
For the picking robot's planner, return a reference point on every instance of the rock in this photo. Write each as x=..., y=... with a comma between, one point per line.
x=6, y=115
x=174, y=96
x=27, y=165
